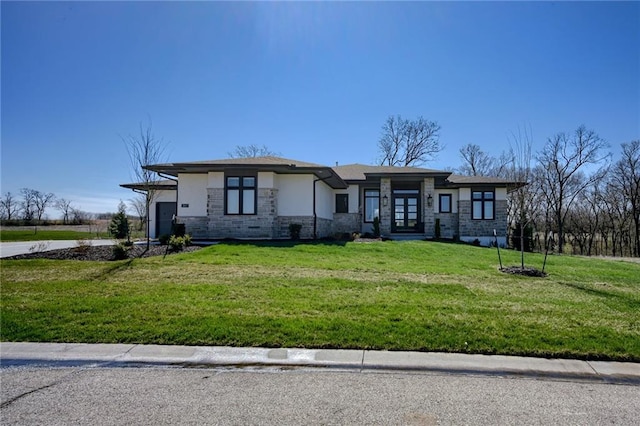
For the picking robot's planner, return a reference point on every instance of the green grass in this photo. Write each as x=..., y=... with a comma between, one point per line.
x=422, y=296
x=40, y=234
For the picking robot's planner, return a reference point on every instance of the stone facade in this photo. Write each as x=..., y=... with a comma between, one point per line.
x=428, y=216
x=196, y=226
x=385, y=211
x=346, y=223
x=323, y=226
x=448, y=225
x=482, y=228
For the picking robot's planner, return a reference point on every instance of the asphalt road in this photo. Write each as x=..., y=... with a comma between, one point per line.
x=152, y=395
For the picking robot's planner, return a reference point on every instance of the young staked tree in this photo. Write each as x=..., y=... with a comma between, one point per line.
x=145, y=149
x=407, y=143
x=248, y=151
x=522, y=201
x=562, y=174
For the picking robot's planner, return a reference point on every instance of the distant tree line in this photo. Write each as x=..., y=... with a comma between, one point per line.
x=577, y=198
x=29, y=207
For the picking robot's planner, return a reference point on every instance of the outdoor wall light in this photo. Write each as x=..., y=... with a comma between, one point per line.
x=429, y=200
x=385, y=201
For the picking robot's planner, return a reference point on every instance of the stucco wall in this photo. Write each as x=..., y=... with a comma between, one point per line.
x=454, y=199
x=192, y=194
x=325, y=200
x=295, y=195
x=354, y=194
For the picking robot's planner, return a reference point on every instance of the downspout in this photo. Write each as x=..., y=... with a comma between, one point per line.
x=315, y=216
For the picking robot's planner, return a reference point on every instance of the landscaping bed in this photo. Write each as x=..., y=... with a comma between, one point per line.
x=101, y=253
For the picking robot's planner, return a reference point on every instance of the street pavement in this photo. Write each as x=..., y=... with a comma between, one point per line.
x=14, y=248
x=80, y=354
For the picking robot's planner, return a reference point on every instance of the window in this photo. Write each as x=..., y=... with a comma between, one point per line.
x=371, y=204
x=445, y=203
x=482, y=203
x=342, y=203
x=241, y=195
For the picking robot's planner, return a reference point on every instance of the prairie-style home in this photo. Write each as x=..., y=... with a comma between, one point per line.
x=257, y=198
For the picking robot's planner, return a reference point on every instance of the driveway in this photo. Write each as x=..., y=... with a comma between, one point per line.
x=8, y=249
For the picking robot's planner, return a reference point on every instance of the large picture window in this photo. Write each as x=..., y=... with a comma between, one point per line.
x=371, y=204
x=240, y=194
x=482, y=205
x=445, y=203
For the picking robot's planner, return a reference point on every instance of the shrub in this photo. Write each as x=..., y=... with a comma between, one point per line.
x=176, y=243
x=376, y=227
x=164, y=239
x=187, y=240
x=119, y=226
x=120, y=251
x=128, y=243
x=294, y=230
x=82, y=246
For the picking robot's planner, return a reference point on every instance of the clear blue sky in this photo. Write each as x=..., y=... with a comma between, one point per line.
x=312, y=81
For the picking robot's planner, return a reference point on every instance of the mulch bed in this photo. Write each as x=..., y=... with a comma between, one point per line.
x=528, y=272
x=101, y=253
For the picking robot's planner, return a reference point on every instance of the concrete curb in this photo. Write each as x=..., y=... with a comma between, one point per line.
x=21, y=353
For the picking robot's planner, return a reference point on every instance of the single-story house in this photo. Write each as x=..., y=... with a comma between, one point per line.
x=257, y=198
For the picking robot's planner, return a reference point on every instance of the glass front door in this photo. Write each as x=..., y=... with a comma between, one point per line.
x=406, y=210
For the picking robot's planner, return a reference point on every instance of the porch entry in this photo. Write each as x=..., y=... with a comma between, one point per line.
x=165, y=211
x=406, y=210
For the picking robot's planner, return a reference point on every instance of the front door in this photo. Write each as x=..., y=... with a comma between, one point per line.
x=406, y=208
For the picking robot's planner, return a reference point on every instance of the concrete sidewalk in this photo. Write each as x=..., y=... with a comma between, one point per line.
x=21, y=353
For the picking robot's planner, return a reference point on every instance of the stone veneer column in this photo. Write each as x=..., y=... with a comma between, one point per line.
x=428, y=212
x=385, y=211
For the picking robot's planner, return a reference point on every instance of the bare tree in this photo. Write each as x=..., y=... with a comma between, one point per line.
x=561, y=171
x=64, y=206
x=251, y=151
x=27, y=205
x=475, y=162
x=42, y=200
x=408, y=142
x=9, y=206
x=138, y=205
x=144, y=150
x=626, y=175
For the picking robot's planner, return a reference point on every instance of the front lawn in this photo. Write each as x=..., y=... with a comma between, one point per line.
x=423, y=296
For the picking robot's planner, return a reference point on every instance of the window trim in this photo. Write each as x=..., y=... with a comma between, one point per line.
x=365, y=203
x=440, y=197
x=241, y=188
x=483, y=200
x=344, y=203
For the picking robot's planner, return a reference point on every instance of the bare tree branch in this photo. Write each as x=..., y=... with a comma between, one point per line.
x=408, y=142
x=248, y=151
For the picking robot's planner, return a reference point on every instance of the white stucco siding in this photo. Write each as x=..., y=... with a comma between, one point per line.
x=215, y=180
x=295, y=195
x=354, y=193
x=454, y=199
x=324, y=200
x=192, y=194
x=266, y=180
x=464, y=194
x=501, y=193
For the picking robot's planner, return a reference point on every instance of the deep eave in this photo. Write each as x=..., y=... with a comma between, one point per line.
x=257, y=164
